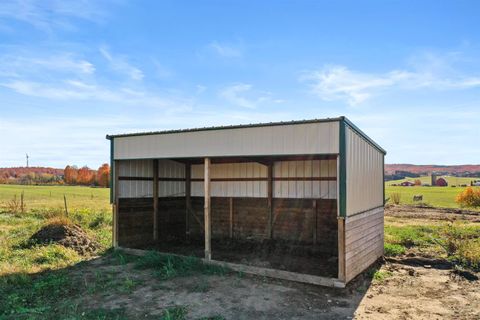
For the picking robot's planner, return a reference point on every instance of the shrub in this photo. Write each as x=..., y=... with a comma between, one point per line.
x=469, y=197
x=395, y=197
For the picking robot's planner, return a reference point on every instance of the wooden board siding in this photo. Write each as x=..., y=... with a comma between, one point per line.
x=294, y=220
x=363, y=241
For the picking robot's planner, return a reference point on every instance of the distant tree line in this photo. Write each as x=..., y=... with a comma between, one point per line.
x=86, y=176
x=71, y=175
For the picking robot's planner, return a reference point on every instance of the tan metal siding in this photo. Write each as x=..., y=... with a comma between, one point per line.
x=308, y=138
x=232, y=188
x=135, y=168
x=364, y=174
x=305, y=169
x=144, y=169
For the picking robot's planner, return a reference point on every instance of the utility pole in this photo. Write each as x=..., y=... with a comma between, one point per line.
x=26, y=154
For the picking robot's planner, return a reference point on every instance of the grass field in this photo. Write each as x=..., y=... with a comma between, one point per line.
x=443, y=197
x=48, y=281
x=456, y=181
x=49, y=197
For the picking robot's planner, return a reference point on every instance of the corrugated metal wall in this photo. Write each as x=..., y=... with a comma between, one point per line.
x=144, y=169
x=232, y=188
x=316, y=187
x=305, y=138
x=135, y=188
x=305, y=169
x=364, y=174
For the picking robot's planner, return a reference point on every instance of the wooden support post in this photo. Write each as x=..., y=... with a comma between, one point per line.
x=315, y=221
x=231, y=217
x=188, y=204
x=341, y=250
x=155, y=200
x=270, y=200
x=116, y=203
x=207, y=211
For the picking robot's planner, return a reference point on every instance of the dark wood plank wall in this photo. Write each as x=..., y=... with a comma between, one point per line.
x=297, y=220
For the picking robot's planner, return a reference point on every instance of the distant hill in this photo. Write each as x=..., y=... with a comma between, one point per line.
x=20, y=171
x=391, y=168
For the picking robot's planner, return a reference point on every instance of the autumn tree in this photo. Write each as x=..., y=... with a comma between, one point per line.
x=86, y=176
x=470, y=197
x=70, y=174
x=103, y=175
x=418, y=182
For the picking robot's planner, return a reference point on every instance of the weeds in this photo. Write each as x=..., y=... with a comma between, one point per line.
x=395, y=197
x=392, y=249
x=167, y=266
x=380, y=276
x=175, y=313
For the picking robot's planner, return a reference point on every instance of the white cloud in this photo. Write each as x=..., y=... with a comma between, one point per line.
x=120, y=64
x=336, y=82
x=243, y=95
x=225, y=50
x=51, y=14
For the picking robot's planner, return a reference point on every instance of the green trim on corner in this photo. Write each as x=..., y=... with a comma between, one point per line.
x=343, y=169
x=111, y=170
x=383, y=178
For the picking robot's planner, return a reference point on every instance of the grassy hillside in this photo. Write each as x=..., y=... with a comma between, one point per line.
x=427, y=179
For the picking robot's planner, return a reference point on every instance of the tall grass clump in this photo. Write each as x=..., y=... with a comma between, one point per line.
x=395, y=197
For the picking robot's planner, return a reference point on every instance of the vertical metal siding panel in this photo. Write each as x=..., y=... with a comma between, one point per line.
x=364, y=175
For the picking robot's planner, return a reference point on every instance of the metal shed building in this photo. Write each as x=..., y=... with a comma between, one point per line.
x=300, y=200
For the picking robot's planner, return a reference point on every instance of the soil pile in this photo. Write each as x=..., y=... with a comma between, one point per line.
x=70, y=236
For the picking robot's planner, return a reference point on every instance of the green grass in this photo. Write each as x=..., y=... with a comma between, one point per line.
x=442, y=197
x=51, y=197
x=458, y=242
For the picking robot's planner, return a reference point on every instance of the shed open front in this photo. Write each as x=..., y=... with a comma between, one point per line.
x=264, y=199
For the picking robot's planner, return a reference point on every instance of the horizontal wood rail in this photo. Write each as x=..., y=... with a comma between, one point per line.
x=160, y=179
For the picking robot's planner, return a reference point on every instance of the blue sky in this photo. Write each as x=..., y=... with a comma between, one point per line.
x=406, y=72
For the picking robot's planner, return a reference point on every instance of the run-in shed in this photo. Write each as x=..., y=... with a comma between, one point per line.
x=300, y=200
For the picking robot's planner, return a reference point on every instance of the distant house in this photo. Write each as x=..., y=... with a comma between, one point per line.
x=407, y=184
x=440, y=182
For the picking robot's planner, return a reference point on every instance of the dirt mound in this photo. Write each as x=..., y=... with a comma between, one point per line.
x=69, y=236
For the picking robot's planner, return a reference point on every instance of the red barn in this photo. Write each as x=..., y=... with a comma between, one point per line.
x=441, y=182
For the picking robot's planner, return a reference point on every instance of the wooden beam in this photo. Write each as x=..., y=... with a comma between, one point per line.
x=155, y=200
x=270, y=200
x=231, y=217
x=341, y=250
x=188, y=203
x=207, y=211
x=116, y=204
x=315, y=221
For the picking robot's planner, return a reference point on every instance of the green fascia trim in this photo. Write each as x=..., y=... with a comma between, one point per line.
x=343, y=169
x=254, y=125
x=111, y=171
x=383, y=178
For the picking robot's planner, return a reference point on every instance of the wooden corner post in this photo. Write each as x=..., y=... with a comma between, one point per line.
x=116, y=204
x=207, y=212
x=188, y=203
x=270, y=199
x=155, y=200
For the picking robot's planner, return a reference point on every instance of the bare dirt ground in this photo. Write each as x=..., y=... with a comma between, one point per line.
x=415, y=288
